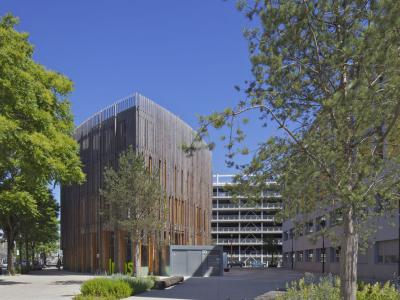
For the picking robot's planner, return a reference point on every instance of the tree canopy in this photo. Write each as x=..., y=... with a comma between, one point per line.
x=327, y=73
x=36, y=126
x=133, y=199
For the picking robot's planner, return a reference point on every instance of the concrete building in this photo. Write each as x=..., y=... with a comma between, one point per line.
x=88, y=244
x=246, y=232
x=302, y=252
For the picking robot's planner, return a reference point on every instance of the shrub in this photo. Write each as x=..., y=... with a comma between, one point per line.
x=378, y=292
x=81, y=297
x=328, y=288
x=105, y=287
x=138, y=284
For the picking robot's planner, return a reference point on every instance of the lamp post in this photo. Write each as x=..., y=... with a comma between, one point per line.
x=398, y=254
x=231, y=246
x=292, y=254
x=323, y=254
x=322, y=224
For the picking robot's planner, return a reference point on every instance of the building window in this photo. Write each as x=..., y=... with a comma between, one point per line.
x=215, y=192
x=150, y=165
x=159, y=172
x=165, y=175
x=309, y=227
x=121, y=135
x=85, y=143
x=309, y=255
x=299, y=255
x=285, y=236
x=321, y=255
x=386, y=252
x=334, y=254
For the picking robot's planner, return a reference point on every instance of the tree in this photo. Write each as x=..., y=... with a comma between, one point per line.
x=41, y=232
x=36, y=126
x=327, y=73
x=271, y=246
x=132, y=195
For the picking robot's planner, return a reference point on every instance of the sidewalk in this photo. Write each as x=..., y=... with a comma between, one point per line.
x=47, y=284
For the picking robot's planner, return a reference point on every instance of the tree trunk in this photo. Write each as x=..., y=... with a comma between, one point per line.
x=10, y=251
x=33, y=253
x=348, y=257
x=19, y=243
x=137, y=255
x=27, y=254
x=116, y=251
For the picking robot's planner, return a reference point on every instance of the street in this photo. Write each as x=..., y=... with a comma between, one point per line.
x=238, y=284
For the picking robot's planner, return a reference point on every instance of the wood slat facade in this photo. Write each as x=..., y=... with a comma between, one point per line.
x=87, y=244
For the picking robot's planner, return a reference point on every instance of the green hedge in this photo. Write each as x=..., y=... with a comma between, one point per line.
x=138, y=284
x=328, y=288
x=105, y=287
x=115, y=287
x=81, y=297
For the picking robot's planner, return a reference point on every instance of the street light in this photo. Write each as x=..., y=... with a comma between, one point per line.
x=322, y=225
x=231, y=246
x=398, y=254
x=292, y=254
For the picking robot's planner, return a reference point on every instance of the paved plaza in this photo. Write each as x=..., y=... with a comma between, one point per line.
x=238, y=284
x=47, y=285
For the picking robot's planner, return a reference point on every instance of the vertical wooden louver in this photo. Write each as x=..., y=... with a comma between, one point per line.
x=87, y=244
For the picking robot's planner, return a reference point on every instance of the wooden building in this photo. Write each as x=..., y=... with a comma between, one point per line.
x=87, y=244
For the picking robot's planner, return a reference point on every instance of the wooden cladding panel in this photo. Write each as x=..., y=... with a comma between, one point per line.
x=158, y=135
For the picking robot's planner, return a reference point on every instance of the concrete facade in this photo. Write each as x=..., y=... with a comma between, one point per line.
x=303, y=253
x=245, y=230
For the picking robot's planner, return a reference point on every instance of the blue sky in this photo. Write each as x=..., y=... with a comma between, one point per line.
x=186, y=55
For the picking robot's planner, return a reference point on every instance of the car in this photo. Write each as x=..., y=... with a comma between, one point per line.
x=258, y=264
x=273, y=265
x=37, y=265
x=3, y=266
x=235, y=263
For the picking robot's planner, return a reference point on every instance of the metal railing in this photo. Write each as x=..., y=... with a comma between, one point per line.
x=107, y=113
x=269, y=205
x=248, y=217
x=246, y=229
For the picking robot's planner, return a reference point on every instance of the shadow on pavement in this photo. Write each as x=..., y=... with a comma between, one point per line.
x=55, y=272
x=7, y=282
x=69, y=282
x=234, y=285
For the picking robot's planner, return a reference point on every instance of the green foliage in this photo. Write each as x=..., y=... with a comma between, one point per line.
x=378, y=292
x=326, y=73
x=81, y=297
x=133, y=199
x=138, y=284
x=106, y=287
x=116, y=287
x=328, y=288
x=36, y=126
x=132, y=195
